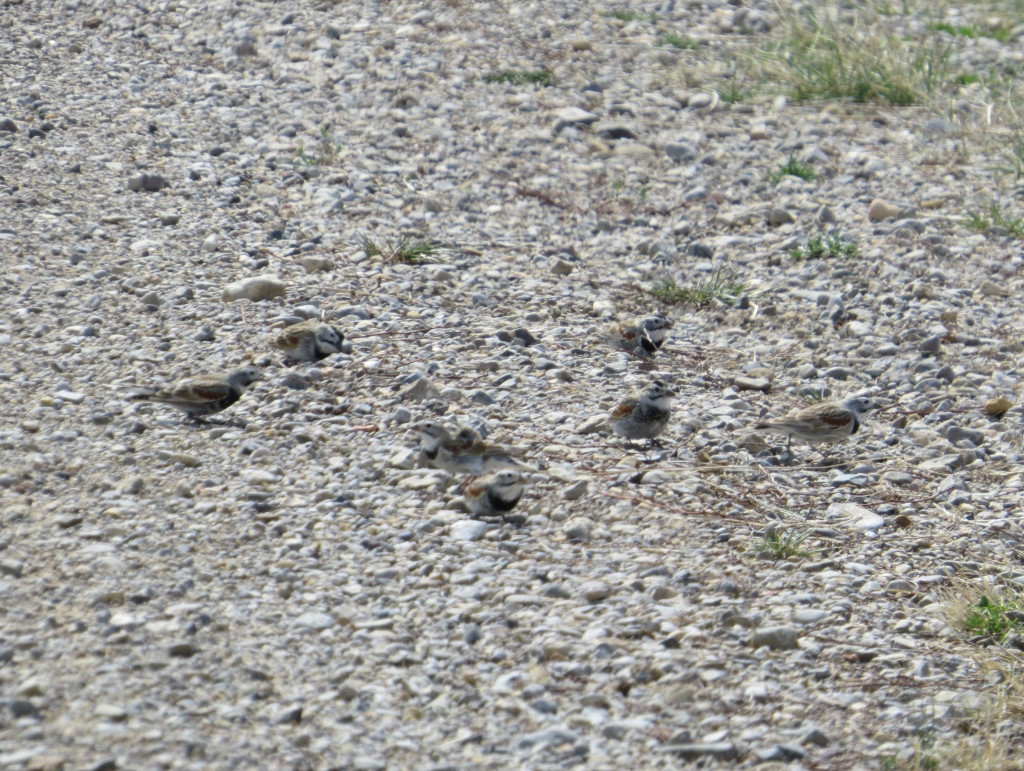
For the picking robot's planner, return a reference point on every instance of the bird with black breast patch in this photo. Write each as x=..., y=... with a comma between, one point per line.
x=494, y=495
x=823, y=422
x=311, y=340
x=645, y=414
x=202, y=395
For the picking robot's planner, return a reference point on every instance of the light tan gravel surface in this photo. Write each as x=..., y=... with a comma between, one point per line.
x=286, y=588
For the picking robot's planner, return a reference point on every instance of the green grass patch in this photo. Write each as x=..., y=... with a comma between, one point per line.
x=721, y=288
x=520, y=77
x=406, y=250
x=676, y=41
x=995, y=218
x=792, y=168
x=957, y=30
x=1000, y=34
x=781, y=546
x=994, y=618
x=735, y=93
x=843, y=55
x=627, y=14
x=819, y=246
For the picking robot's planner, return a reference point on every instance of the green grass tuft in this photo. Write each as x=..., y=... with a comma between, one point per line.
x=520, y=77
x=994, y=217
x=626, y=14
x=819, y=246
x=994, y=618
x=784, y=546
x=676, y=41
x=720, y=288
x=406, y=250
x=842, y=55
x=792, y=168
x=961, y=30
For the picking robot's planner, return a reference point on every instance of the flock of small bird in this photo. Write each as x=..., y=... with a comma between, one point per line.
x=496, y=476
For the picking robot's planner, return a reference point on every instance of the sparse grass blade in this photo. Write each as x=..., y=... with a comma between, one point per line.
x=406, y=250
x=520, y=77
x=676, y=41
x=628, y=14
x=839, y=53
x=721, y=288
x=326, y=151
x=792, y=168
x=781, y=546
x=995, y=221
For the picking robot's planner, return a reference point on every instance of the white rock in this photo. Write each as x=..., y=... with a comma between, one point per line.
x=854, y=516
x=314, y=621
x=469, y=530
x=255, y=288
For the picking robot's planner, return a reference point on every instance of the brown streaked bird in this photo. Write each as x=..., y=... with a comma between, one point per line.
x=463, y=453
x=823, y=422
x=310, y=340
x=203, y=394
x=645, y=414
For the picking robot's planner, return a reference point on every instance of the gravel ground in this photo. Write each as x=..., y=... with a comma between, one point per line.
x=288, y=590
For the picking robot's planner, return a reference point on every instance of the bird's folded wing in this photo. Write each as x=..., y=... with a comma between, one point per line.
x=200, y=390
x=624, y=410
x=833, y=417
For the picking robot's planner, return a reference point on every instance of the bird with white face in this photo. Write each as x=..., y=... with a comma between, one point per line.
x=642, y=336
x=645, y=414
x=310, y=340
x=494, y=495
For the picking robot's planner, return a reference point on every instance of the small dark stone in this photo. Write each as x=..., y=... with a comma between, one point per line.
x=184, y=650
x=292, y=715
x=6, y=124
x=147, y=183
x=525, y=336
x=21, y=707
x=34, y=133
x=700, y=251
x=617, y=132
x=217, y=151
x=545, y=707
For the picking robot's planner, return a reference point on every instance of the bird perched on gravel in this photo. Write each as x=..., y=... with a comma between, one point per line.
x=645, y=414
x=310, y=340
x=494, y=495
x=642, y=336
x=822, y=422
x=203, y=394
x=463, y=453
